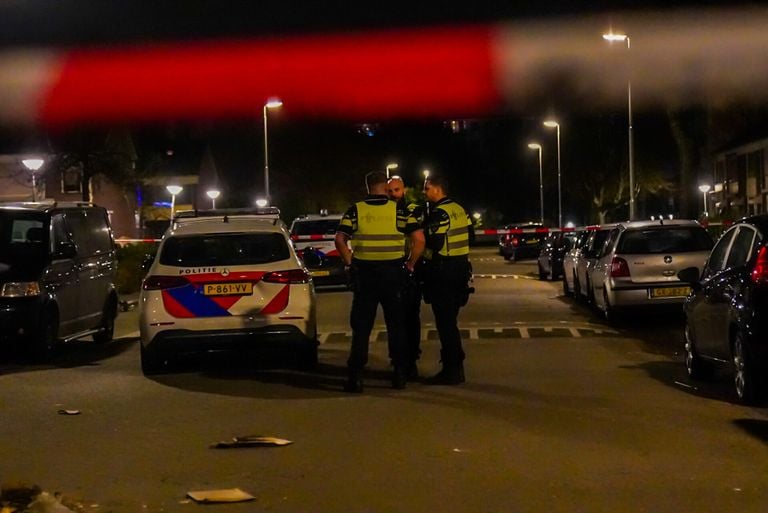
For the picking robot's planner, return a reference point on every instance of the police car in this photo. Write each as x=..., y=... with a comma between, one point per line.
x=313, y=237
x=226, y=280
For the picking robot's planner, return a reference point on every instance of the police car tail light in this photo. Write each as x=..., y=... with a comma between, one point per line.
x=515, y=241
x=760, y=272
x=289, y=276
x=163, y=282
x=20, y=289
x=619, y=268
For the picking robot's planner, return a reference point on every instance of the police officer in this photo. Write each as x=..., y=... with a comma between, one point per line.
x=448, y=272
x=377, y=230
x=412, y=297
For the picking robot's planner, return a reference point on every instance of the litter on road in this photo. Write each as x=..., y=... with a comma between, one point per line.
x=227, y=495
x=251, y=441
x=69, y=412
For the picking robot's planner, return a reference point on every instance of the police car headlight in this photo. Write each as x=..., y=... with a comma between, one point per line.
x=20, y=289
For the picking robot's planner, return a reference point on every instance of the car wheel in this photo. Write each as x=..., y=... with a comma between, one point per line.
x=566, y=291
x=151, y=362
x=609, y=312
x=107, y=327
x=307, y=355
x=542, y=274
x=694, y=365
x=745, y=379
x=46, y=338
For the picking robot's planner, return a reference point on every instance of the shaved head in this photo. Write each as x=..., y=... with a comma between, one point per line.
x=395, y=188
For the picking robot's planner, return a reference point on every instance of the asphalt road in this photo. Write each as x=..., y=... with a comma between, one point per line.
x=560, y=412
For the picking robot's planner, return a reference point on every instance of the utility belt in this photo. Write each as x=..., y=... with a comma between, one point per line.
x=365, y=264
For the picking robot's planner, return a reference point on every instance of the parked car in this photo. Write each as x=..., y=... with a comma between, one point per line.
x=524, y=241
x=570, y=258
x=586, y=260
x=727, y=312
x=313, y=238
x=57, y=275
x=638, y=265
x=223, y=282
x=550, y=262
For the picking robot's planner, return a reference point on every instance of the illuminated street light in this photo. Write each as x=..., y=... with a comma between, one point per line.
x=554, y=124
x=272, y=103
x=393, y=165
x=33, y=164
x=174, y=190
x=213, y=194
x=613, y=38
x=704, y=190
x=261, y=202
x=537, y=146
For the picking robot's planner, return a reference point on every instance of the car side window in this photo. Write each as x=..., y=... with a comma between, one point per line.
x=58, y=232
x=98, y=229
x=741, y=248
x=716, y=261
x=81, y=235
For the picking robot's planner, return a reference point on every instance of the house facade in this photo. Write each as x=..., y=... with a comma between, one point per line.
x=740, y=185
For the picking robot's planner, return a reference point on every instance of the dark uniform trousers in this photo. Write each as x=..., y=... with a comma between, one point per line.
x=377, y=283
x=412, y=304
x=446, y=289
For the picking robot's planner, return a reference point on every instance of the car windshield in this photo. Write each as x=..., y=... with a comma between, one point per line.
x=224, y=249
x=22, y=237
x=321, y=226
x=667, y=240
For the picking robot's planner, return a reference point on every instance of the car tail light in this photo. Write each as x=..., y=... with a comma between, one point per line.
x=760, y=272
x=619, y=268
x=289, y=276
x=515, y=241
x=163, y=282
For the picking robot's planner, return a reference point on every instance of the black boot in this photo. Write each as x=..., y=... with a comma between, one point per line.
x=353, y=385
x=399, y=379
x=448, y=376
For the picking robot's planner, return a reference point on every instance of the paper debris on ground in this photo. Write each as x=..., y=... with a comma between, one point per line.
x=251, y=441
x=228, y=495
x=69, y=412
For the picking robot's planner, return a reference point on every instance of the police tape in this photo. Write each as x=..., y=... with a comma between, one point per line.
x=678, y=58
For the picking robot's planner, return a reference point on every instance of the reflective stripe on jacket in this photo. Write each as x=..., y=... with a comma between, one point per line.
x=455, y=229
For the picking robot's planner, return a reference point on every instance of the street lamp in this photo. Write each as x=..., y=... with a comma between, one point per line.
x=537, y=146
x=213, y=194
x=554, y=124
x=272, y=103
x=393, y=165
x=261, y=203
x=174, y=190
x=611, y=38
x=33, y=164
x=704, y=190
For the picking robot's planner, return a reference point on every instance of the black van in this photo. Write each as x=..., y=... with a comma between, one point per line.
x=57, y=275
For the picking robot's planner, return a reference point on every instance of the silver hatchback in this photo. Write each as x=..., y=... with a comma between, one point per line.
x=639, y=262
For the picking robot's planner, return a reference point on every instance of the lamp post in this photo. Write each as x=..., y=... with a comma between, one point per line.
x=704, y=190
x=273, y=103
x=392, y=165
x=174, y=190
x=33, y=164
x=611, y=38
x=554, y=124
x=537, y=146
x=213, y=194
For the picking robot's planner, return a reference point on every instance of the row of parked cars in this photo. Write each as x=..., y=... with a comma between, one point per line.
x=721, y=287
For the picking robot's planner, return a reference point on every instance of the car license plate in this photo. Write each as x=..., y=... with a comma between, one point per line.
x=670, y=292
x=228, y=289
x=320, y=273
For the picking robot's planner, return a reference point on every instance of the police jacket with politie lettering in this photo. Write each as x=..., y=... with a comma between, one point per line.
x=377, y=228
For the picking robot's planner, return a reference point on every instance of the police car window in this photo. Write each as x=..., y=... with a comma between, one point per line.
x=224, y=249
x=321, y=227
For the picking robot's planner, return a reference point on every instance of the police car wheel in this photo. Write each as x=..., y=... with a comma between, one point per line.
x=151, y=362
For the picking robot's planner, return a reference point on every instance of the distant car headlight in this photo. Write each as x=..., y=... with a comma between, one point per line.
x=20, y=289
